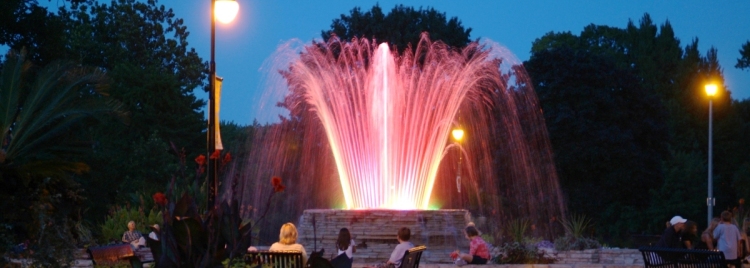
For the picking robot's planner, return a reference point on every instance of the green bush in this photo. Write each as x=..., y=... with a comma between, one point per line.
x=521, y=253
x=569, y=242
x=575, y=228
x=117, y=222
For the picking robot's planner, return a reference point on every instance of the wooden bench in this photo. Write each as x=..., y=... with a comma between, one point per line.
x=682, y=258
x=412, y=257
x=111, y=255
x=264, y=258
x=120, y=254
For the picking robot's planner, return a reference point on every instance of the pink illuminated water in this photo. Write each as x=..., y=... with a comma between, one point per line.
x=387, y=117
x=369, y=128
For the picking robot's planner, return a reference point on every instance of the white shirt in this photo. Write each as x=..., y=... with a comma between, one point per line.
x=349, y=251
x=398, y=252
x=153, y=236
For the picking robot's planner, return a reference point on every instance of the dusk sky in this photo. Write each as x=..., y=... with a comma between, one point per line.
x=262, y=25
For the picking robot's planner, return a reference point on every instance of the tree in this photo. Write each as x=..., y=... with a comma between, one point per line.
x=400, y=28
x=39, y=119
x=154, y=76
x=605, y=129
x=668, y=107
x=743, y=62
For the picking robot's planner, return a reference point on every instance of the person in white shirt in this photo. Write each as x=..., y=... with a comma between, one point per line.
x=345, y=243
x=728, y=237
x=288, y=241
x=403, y=236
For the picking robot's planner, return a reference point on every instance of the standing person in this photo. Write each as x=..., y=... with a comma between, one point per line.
x=288, y=241
x=403, y=236
x=672, y=237
x=133, y=236
x=478, y=251
x=707, y=237
x=728, y=237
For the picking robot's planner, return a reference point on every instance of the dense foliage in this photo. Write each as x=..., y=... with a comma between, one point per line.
x=627, y=117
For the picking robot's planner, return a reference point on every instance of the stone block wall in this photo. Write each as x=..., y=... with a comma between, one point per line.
x=598, y=256
x=375, y=231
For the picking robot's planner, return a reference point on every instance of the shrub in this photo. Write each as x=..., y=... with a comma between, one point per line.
x=521, y=253
x=568, y=242
x=117, y=222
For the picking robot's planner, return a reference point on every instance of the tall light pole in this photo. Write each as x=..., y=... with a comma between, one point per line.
x=224, y=11
x=710, y=202
x=458, y=134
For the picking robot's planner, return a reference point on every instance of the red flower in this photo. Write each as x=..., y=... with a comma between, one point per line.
x=201, y=160
x=454, y=255
x=160, y=198
x=215, y=155
x=277, y=186
x=226, y=159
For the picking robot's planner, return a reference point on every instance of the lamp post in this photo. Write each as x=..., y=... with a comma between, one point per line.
x=710, y=202
x=224, y=11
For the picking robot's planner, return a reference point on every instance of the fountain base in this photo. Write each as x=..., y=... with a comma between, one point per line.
x=374, y=231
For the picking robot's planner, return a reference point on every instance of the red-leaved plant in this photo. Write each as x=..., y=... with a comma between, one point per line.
x=194, y=239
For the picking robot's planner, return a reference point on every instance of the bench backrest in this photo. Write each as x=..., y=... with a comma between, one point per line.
x=682, y=258
x=110, y=254
x=412, y=256
x=285, y=259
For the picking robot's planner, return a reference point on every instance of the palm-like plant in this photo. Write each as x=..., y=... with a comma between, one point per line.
x=40, y=113
x=38, y=120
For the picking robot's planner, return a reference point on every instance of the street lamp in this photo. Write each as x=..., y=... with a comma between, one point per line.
x=224, y=11
x=458, y=134
x=710, y=201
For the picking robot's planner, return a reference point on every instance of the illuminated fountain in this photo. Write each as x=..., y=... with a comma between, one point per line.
x=386, y=119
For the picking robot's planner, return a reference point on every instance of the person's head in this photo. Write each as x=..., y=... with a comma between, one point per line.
x=691, y=227
x=344, y=239
x=714, y=222
x=155, y=227
x=678, y=223
x=726, y=216
x=404, y=234
x=471, y=231
x=131, y=225
x=288, y=234
x=742, y=201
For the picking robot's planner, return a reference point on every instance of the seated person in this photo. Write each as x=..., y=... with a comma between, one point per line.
x=133, y=236
x=403, y=236
x=478, y=251
x=288, y=241
x=345, y=243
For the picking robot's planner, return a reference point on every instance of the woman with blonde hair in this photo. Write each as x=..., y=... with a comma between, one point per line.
x=288, y=241
x=708, y=235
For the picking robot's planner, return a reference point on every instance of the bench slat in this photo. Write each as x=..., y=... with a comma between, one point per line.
x=657, y=257
x=291, y=259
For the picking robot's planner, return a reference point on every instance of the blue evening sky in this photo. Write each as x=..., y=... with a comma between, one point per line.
x=262, y=25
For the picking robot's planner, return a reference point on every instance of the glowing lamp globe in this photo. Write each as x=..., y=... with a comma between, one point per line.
x=458, y=134
x=226, y=10
x=711, y=89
